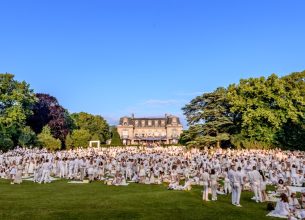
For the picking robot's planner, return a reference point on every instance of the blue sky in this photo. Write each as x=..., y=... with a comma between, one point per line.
x=148, y=57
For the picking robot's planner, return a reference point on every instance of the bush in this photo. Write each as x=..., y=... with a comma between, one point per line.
x=6, y=143
x=80, y=138
x=27, y=137
x=116, y=140
x=69, y=142
x=46, y=139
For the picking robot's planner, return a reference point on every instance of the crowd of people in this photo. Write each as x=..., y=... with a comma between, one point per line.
x=218, y=171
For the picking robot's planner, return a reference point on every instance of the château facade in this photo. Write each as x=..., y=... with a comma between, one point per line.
x=161, y=130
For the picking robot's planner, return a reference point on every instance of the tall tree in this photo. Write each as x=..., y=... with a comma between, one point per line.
x=292, y=133
x=115, y=139
x=209, y=118
x=263, y=106
x=16, y=98
x=47, y=111
x=256, y=112
x=95, y=124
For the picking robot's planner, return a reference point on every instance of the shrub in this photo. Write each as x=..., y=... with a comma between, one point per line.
x=116, y=140
x=27, y=137
x=46, y=139
x=80, y=138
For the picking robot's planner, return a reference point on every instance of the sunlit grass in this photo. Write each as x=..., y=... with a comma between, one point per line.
x=60, y=200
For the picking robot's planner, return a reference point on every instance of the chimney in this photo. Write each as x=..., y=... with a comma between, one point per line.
x=132, y=115
x=165, y=115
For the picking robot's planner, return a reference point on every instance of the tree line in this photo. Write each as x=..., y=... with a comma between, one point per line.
x=254, y=113
x=35, y=119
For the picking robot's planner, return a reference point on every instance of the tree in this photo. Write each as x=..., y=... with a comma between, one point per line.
x=80, y=138
x=95, y=124
x=115, y=140
x=46, y=139
x=16, y=98
x=69, y=142
x=6, y=142
x=61, y=123
x=292, y=133
x=185, y=137
x=209, y=118
x=255, y=113
x=264, y=106
x=47, y=111
x=27, y=137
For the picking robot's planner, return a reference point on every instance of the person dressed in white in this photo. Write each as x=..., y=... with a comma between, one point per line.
x=142, y=173
x=13, y=172
x=282, y=206
x=174, y=183
x=293, y=202
x=255, y=180
x=31, y=167
x=237, y=186
x=227, y=186
x=263, y=186
x=70, y=168
x=82, y=168
x=90, y=169
x=46, y=168
x=214, y=185
x=205, y=180
x=37, y=167
x=294, y=175
x=18, y=176
x=231, y=176
x=61, y=168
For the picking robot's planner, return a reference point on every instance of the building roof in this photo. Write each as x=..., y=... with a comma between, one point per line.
x=168, y=119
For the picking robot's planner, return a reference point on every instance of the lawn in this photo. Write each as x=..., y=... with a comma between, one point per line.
x=60, y=200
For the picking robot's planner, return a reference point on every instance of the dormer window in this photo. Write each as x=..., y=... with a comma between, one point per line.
x=174, y=121
x=125, y=121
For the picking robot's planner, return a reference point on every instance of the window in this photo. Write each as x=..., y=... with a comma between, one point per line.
x=156, y=123
x=125, y=121
x=174, y=121
x=136, y=123
x=174, y=133
x=163, y=123
x=149, y=123
x=125, y=134
x=143, y=123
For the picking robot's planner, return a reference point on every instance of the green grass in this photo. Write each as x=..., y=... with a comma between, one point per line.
x=60, y=200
